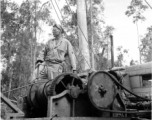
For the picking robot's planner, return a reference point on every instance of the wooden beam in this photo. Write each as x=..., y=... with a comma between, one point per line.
x=10, y=104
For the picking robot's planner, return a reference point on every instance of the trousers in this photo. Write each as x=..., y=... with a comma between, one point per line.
x=46, y=70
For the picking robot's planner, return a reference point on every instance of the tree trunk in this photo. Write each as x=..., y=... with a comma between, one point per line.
x=10, y=85
x=35, y=46
x=92, y=42
x=138, y=37
x=83, y=35
x=9, y=71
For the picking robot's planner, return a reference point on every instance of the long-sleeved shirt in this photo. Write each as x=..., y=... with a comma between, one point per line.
x=57, y=52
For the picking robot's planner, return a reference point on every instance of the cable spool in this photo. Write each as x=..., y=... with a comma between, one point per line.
x=34, y=91
x=38, y=93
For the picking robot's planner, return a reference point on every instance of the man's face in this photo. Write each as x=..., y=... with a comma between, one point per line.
x=56, y=31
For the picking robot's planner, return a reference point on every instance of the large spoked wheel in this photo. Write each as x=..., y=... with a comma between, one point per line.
x=63, y=82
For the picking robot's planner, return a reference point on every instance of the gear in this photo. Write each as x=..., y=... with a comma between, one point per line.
x=61, y=83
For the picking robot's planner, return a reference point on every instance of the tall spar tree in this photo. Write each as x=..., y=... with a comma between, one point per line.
x=136, y=9
x=71, y=25
x=97, y=27
x=83, y=34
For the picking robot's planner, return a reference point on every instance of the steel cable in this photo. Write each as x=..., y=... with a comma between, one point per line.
x=23, y=86
x=148, y=4
x=116, y=82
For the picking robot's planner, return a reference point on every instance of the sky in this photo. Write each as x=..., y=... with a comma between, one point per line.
x=125, y=33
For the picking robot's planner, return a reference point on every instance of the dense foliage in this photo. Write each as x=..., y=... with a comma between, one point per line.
x=19, y=42
x=146, y=46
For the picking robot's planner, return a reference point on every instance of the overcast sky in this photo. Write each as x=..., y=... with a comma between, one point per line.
x=125, y=33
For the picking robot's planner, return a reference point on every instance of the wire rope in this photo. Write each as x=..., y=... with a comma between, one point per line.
x=23, y=86
x=119, y=84
x=148, y=4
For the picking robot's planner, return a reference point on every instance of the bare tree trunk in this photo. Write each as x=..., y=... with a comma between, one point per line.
x=10, y=85
x=31, y=45
x=9, y=71
x=35, y=46
x=82, y=33
x=100, y=58
x=92, y=42
x=138, y=37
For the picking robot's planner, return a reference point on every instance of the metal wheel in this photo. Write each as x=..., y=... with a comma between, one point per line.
x=63, y=82
x=101, y=90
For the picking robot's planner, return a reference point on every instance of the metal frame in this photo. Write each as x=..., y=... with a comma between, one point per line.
x=50, y=101
x=18, y=113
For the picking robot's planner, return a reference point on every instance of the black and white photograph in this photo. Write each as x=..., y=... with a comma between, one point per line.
x=76, y=59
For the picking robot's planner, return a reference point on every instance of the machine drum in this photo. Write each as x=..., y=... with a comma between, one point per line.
x=38, y=93
x=101, y=90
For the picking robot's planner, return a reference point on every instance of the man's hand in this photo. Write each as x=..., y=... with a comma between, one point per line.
x=74, y=71
x=38, y=63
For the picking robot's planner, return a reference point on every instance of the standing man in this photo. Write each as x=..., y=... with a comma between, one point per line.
x=50, y=60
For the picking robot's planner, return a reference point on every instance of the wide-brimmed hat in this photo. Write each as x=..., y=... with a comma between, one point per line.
x=59, y=27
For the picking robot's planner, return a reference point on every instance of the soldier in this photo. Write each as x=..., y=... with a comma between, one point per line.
x=50, y=61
